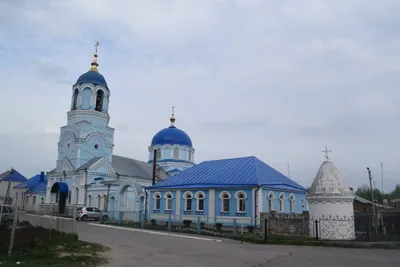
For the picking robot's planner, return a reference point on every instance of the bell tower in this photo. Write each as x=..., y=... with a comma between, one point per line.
x=87, y=134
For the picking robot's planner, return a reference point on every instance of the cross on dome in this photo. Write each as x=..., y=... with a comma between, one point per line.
x=326, y=151
x=172, y=119
x=94, y=63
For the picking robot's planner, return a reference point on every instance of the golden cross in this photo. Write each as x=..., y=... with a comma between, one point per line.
x=173, y=110
x=97, y=47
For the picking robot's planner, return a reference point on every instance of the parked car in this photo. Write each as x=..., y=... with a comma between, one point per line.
x=7, y=216
x=85, y=213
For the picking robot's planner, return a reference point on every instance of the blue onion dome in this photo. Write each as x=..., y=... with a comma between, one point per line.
x=171, y=136
x=93, y=76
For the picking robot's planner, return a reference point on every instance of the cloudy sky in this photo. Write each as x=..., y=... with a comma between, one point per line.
x=279, y=80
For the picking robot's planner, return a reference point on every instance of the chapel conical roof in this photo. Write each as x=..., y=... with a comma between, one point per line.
x=329, y=183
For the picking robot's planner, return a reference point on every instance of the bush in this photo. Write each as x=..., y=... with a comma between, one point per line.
x=218, y=226
x=187, y=223
x=153, y=222
x=202, y=225
x=250, y=228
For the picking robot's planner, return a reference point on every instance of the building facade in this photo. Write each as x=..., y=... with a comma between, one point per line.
x=173, y=148
x=331, y=203
x=87, y=173
x=8, y=180
x=220, y=191
x=31, y=195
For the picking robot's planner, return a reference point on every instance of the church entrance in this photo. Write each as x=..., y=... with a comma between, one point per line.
x=60, y=191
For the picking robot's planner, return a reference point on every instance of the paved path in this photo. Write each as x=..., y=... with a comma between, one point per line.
x=134, y=248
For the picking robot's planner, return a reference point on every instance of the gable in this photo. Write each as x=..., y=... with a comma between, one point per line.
x=102, y=166
x=65, y=165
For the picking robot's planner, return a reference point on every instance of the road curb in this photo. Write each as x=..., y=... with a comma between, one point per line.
x=156, y=232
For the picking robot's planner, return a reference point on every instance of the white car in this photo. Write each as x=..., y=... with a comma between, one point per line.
x=85, y=213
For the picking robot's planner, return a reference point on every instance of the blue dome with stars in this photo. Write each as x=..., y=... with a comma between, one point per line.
x=171, y=136
x=92, y=76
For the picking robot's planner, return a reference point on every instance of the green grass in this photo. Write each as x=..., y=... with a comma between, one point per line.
x=61, y=251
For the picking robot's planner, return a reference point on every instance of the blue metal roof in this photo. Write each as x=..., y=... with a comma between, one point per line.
x=36, y=184
x=171, y=136
x=92, y=77
x=16, y=177
x=237, y=172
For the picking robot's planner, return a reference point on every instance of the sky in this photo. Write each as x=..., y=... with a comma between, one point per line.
x=279, y=80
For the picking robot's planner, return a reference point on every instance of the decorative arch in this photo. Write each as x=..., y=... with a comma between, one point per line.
x=168, y=193
x=168, y=196
x=75, y=99
x=291, y=202
x=198, y=194
x=188, y=196
x=99, y=100
x=86, y=98
x=240, y=192
x=281, y=201
x=157, y=200
x=225, y=196
x=271, y=198
x=221, y=195
x=65, y=136
x=102, y=137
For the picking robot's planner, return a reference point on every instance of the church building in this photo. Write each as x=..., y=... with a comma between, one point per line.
x=87, y=173
x=219, y=191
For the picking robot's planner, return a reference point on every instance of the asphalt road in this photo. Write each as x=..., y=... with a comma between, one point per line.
x=130, y=248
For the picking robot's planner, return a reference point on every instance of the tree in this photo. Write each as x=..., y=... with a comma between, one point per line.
x=365, y=192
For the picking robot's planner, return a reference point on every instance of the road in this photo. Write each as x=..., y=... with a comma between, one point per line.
x=133, y=248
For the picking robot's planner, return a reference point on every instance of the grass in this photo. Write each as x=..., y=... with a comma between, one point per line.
x=62, y=250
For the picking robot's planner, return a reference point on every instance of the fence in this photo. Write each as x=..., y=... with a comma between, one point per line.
x=286, y=226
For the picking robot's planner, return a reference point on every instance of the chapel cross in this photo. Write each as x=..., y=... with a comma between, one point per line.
x=97, y=47
x=326, y=151
x=173, y=111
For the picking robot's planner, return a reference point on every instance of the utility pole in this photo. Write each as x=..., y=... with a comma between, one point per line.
x=5, y=201
x=382, y=177
x=372, y=197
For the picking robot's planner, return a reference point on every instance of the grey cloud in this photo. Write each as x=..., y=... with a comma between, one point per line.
x=266, y=78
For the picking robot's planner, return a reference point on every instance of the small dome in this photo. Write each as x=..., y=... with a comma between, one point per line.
x=171, y=136
x=329, y=183
x=92, y=77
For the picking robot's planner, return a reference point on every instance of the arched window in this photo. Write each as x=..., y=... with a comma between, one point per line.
x=241, y=201
x=190, y=155
x=157, y=201
x=42, y=200
x=176, y=153
x=225, y=197
x=90, y=200
x=291, y=201
x=27, y=199
x=99, y=100
x=75, y=100
x=200, y=201
x=77, y=195
x=158, y=153
x=271, y=197
x=105, y=203
x=98, y=201
x=188, y=196
x=281, y=202
x=168, y=201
